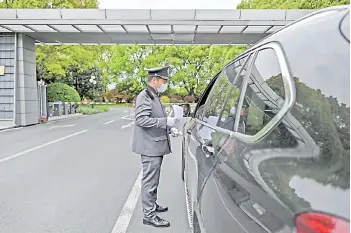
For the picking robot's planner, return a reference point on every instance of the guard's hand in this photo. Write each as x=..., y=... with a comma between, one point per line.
x=174, y=132
x=171, y=121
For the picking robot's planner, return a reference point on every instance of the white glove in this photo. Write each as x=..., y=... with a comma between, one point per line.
x=171, y=121
x=174, y=132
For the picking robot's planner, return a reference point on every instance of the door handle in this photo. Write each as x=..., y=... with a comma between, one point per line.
x=208, y=150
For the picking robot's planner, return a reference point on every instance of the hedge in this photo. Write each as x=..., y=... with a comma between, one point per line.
x=165, y=99
x=62, y=92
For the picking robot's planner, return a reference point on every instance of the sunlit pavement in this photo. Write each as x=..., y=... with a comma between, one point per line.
x=77, y=175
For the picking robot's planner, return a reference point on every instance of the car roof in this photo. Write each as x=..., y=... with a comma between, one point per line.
x=267, y=38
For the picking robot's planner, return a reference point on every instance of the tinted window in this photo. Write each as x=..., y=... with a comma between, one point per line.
x=216, y=98
x=264, y=95
x=266, y=72
x=231, y=104
x=201, y=105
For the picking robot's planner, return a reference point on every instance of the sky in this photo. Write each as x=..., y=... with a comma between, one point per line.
x=168, y=4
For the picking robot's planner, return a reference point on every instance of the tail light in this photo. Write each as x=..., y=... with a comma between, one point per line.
x=312, y=222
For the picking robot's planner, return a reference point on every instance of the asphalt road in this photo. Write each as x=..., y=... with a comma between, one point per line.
x=80, y=176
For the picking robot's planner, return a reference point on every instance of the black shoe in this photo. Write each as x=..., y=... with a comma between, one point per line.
x=156, y=221
x=161, y=208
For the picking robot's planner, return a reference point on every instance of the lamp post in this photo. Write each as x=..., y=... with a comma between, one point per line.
x=93, y=81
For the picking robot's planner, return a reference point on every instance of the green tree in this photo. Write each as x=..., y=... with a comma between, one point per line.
x=49, y=4
x=79, y=79
x=290, y=4
x=129, y=63
x=195, y=66
x=55, y=62
x=192, y=67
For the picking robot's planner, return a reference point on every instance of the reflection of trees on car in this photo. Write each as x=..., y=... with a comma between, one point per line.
x=316, y=117
x=328, y=122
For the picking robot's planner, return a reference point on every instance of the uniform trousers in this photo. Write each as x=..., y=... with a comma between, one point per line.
x=149, y=183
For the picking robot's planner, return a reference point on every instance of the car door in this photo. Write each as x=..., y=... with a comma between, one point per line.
x=200, y=148
x=237, y=180
x=196, y=152
x=213, y=214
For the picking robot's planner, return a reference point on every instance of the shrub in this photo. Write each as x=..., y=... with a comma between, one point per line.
x=62, y=92
x=165, y=99
x=98, y=99
x=174, y=100
x=189, y=99
x=88, y=110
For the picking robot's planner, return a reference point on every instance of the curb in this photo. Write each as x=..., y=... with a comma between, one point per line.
x=7, y=128
x=63, y=117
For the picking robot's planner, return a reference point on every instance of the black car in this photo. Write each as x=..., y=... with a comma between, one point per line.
x=267, y=148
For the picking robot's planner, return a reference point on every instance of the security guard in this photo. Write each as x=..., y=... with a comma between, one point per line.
x=151, y=140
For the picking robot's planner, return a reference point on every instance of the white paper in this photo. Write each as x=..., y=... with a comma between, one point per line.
x=178, y=112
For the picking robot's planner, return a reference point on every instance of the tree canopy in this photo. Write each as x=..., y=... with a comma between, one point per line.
x=192, y=67
x=49, y=4
x=290, y=4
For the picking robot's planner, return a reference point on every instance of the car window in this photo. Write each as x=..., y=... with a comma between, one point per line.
x=264, y=95
x=215, y=100
x=201, y=104
x=227, y=118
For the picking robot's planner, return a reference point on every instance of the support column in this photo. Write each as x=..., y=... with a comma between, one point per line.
x=7, y=81
x=27, y=105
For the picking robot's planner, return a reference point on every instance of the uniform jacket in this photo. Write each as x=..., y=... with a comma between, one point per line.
x=151, y=134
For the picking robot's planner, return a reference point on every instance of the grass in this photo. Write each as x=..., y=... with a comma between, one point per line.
x=87, y=109
x=115, y=105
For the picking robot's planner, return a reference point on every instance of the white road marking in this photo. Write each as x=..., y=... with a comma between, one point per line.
x=61, y=126
x=126, y=214
x=41, y=146
x=109, y=122
x=6, y=130
x=128, y=117
x=127, y=125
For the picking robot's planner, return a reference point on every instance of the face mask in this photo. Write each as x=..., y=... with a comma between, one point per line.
x=163, y=88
